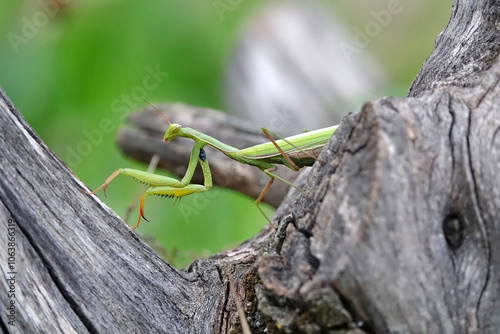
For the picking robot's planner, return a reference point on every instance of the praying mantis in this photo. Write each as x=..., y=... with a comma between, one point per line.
x=294, y=152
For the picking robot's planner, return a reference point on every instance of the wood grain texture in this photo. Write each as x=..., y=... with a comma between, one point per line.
x=399, y=231
x=78, y=267
x=412, y=242
x=467, y=47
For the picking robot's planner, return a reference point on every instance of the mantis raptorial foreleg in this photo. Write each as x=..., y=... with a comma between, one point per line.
x=166, y=186
x=153, y=163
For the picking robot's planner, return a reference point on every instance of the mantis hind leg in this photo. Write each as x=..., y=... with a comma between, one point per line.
x=289, y=163
x=270, y=172
x=259, y=199
x=287, y=158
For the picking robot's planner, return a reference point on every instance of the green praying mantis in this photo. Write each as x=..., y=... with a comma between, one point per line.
x=294, y=152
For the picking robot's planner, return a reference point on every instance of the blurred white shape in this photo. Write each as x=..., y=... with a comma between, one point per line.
x=289, y=73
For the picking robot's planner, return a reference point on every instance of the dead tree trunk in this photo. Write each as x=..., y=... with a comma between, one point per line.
x=399, y=232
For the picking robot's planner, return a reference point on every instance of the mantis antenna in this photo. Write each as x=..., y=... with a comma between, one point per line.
x=159, y=112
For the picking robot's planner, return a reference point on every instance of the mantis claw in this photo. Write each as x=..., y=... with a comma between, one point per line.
x=141, y=209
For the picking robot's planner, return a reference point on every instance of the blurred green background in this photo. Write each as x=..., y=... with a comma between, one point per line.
x=68, y=65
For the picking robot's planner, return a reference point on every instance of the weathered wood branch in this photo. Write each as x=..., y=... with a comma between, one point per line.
x=402, y=224
x=399, y=231
x=466, y=48
x=77, y=267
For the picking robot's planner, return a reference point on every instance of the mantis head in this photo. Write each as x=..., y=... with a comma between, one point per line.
x=172, y=132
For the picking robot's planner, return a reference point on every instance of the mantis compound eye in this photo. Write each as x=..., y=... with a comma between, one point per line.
x=172, y=132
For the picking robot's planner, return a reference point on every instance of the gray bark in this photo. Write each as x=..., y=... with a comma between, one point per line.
x=399, y=231
x=402, y=224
